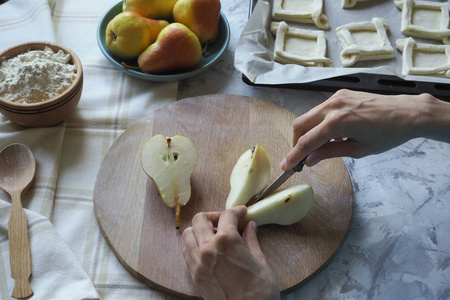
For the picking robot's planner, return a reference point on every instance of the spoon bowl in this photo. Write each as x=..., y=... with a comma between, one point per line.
x=17, y=168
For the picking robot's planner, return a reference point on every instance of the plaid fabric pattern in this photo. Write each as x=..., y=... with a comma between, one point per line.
x=60, y=201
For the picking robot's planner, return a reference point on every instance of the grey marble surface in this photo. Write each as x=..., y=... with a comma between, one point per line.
x=399, y=240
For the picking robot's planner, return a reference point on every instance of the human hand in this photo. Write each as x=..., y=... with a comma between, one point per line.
x=224, y=265
x=357, y=124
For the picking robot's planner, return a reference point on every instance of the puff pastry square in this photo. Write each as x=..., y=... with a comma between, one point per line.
x=300, y=46
x=425, y=19
x=424, y=59
x=300, y=11
x=351, y=3
x=364, y=41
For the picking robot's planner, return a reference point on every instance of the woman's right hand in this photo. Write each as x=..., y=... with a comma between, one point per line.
x=357, y=124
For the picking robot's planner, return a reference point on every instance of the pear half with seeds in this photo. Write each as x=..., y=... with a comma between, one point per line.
x=170, y=162
x=284, y=207
x=249, y=176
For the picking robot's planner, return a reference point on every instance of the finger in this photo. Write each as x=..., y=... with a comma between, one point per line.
x=189, y=240
x=348, y=148
x=306, y=122
x=307, y=143
x=229, y=219
x=251, y=241
x=203, y=226
x=188, y=259
x=317, y=115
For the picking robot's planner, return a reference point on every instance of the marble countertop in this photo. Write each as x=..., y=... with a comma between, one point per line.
x=399, y=239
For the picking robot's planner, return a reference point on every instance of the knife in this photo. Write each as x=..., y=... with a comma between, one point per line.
x=281, y=179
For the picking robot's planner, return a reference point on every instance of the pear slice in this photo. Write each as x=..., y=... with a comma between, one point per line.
x=249, y=176
x=170, y=162
x=284, y=207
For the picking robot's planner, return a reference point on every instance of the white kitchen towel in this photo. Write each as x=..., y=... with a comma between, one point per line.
x=56, y=272
x=23, y=21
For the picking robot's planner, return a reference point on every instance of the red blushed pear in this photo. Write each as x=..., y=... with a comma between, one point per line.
x=128, y=34
x=201, y=16
x=176, y=48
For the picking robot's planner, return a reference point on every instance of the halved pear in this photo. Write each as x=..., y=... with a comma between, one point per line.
x=170, y=162
x=249, y=176
x=284, y=207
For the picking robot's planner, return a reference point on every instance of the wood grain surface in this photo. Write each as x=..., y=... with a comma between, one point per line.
x=140, y=228
x=17, y=171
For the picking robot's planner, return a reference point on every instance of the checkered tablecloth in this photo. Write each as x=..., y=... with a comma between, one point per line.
x=70, y=258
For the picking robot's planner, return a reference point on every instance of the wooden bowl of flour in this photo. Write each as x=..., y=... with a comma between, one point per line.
x=45, y=112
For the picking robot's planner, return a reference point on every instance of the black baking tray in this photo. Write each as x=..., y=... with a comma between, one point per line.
x=373, y=83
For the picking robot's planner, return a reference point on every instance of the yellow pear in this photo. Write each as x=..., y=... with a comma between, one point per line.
x=170, y=162
x=176, y=48
x=284, y=207
x=249, y=176
x=201, y=16
x=128, y=34
x=153, y=9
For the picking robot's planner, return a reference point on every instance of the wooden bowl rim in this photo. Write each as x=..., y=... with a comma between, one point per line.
x=40, y=45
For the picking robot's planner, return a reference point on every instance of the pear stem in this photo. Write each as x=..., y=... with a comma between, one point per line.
x=177, y=215
x=130, y=67
x=204, y=48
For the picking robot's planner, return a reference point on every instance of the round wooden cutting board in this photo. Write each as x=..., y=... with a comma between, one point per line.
x=140, y=228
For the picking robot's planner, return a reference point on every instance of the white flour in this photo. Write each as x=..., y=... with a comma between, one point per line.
x=36, y=76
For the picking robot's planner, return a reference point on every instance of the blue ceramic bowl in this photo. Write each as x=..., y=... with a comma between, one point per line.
x=212, y=53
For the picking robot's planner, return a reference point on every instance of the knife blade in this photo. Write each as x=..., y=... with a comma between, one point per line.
x=280, y=180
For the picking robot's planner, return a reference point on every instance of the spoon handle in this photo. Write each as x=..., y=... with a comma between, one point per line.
x=19, y=248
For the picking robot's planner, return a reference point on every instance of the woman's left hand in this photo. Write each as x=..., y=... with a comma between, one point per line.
x=224, y=265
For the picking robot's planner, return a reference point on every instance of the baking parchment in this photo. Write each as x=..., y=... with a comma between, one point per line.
x=254, y=52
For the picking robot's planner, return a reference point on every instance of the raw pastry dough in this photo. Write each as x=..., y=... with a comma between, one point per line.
x=301, y=11
x=424, y=59
x=274, y=27
x=300, y=46
x=425, y=19
x=351, y=3
x=364, y=41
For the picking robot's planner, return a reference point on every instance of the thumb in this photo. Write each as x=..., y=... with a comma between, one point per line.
x=251, y=242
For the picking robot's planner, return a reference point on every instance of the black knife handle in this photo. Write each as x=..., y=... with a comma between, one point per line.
x=300, y=165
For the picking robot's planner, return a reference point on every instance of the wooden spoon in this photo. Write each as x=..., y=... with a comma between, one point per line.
x=17, y=168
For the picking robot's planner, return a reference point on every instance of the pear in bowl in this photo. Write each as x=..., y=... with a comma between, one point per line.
x=176, y=48
x=128, y=34
x=200, y=16
x=153, y=9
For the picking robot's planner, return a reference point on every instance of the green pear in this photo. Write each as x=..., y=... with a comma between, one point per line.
x=201, y=16
x=153, y=9
x=128, y=34
x=249, y=176
x=176, y=48
x=284, y=207
x=170, y=162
